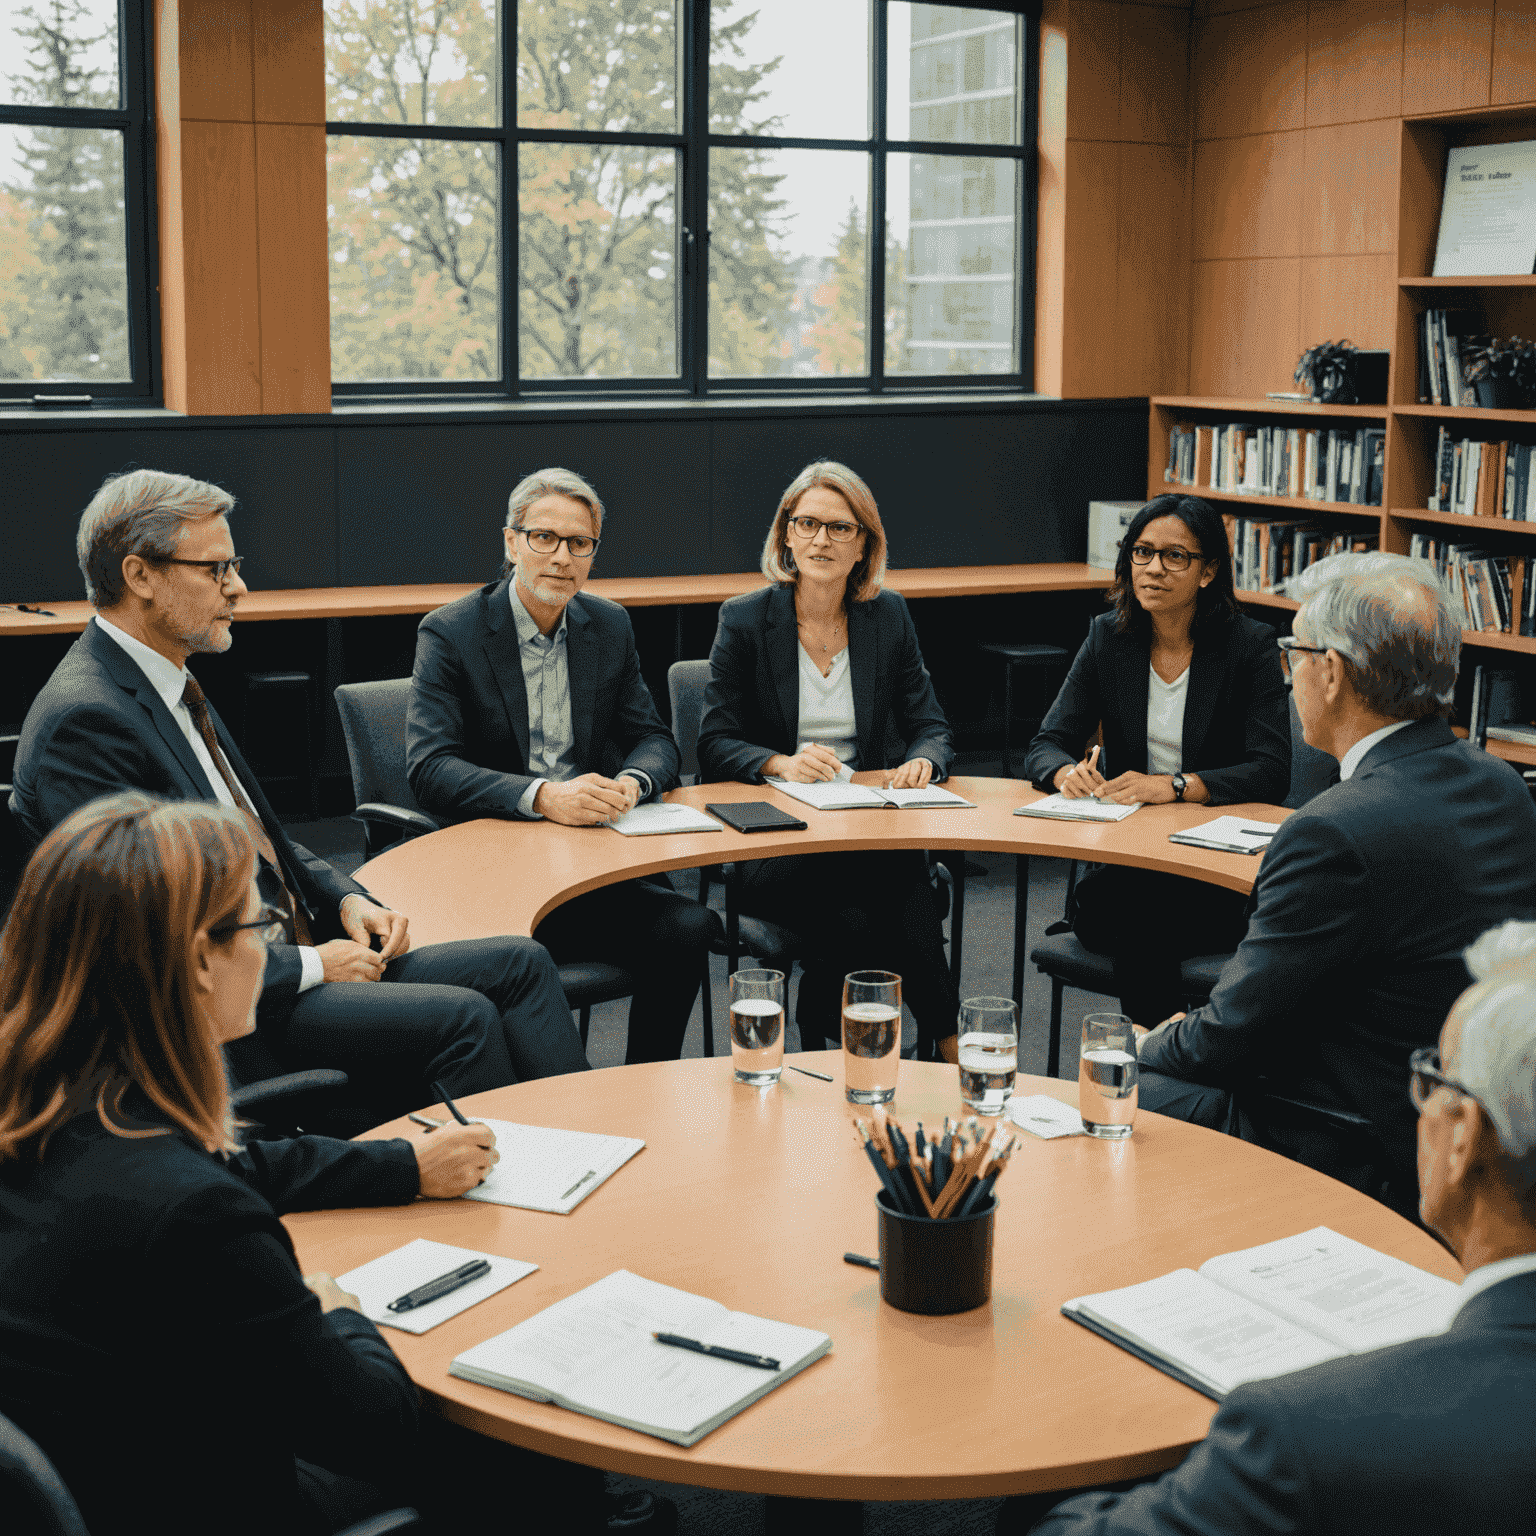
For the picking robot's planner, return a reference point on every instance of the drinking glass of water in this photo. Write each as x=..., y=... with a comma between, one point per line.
x=1107, y=1076
x=757, y=1026
x=871, y=1036
x=989, y=1052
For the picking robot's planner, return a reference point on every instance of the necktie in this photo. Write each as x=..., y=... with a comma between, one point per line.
x=197, y=706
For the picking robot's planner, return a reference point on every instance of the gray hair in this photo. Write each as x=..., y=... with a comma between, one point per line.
x=1496, y=1063
x=1392, y=621
x=552, y=482
x=1511, y=944
x=143, y=512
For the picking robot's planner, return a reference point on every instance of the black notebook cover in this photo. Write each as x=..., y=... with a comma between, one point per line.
x=756, y=816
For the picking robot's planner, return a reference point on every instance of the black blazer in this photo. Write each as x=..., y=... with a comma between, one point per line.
x=158, y=1342
x=1362, y=907
x=466, y=731
x=98, y=727
x=1237, y=732
x=1422, y=1439
x=752, y=704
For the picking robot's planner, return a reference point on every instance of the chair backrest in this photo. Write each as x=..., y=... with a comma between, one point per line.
x=32, y=1494
x=686, y=682
x=373, y=721
x=1312, y=771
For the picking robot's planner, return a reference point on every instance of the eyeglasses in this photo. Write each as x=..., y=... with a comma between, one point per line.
x=1174, y=559
x=220, y=568
x=1290, y=644
x=545, y=541
x=808, y=527
x=269, y=927
x=1425, y=1076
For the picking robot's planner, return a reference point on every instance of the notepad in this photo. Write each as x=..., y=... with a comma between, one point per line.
x=1270, y=1310
x=388, y=1277
x=1045, y=1117
x=543, y=1169
x=593, y=1353
x=1059, y=808
x=859, y=797
x=1229, y=834
x=660, y=818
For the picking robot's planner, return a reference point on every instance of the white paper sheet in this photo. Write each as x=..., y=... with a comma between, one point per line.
x=659, y=818
x=388, y=1277
x=1229, y=834
x=1043, y=1116
x=1057, y=807
x=861, y=797
x=544, y=1169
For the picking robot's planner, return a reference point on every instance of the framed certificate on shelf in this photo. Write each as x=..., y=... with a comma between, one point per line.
x=1488, y=212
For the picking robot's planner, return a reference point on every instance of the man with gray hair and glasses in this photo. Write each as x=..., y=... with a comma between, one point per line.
x=1421, y=1438
x=1366, y=897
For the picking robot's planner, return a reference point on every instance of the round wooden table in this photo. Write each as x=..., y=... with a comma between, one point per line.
x=751, y=1197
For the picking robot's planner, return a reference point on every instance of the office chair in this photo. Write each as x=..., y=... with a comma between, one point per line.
x=1063, y=957
x=37, y=1503
x=373, y=722
x=276, y=1104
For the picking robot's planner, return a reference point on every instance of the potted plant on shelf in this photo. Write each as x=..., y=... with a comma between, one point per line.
x=1500, y=372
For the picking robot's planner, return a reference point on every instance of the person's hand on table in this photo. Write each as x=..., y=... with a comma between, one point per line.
x=331, y=1295
x=363, y=919
x=814, y=764
x=586, y=801
x=1139, y=789
x=913, y=774
x=347, y=960
x=631, y=787
x=454, y=1158
x=1074, y=781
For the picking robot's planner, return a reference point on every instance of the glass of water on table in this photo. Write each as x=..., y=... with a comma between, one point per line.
x=989, y=1053
x=1107, y=1075
x=757, y=1026
x=871, y=1036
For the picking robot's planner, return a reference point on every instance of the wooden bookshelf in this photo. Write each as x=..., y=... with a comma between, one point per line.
x=1279, y=503
x=1510, y=751
x=1460, y=520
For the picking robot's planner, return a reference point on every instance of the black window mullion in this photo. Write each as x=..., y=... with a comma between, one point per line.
x=695, y=126
x=1029, y=133
x=874, y=225
x=510, y=218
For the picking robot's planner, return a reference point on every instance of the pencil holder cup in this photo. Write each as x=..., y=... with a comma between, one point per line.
x=935, y=1267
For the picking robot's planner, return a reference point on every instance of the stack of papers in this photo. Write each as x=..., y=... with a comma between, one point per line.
x=549, y=1170
x=838, y=796
x=1059, y=808
x=388, y=1277
x=659, y=818
x=1229, y=834
x=1045, y=1117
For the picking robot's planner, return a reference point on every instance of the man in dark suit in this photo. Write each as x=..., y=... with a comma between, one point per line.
x=121, y=711
x=1368, y=894
x=1425, y=1437
x=527, y=702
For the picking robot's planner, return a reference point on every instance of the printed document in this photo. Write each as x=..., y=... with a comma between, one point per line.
x=1058, y=807
x=836, y=796
x=1229, y=834
x=543, y=1169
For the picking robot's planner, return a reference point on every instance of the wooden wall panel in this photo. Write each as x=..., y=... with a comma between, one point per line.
x=216, y=60
x=1247, y=196
x=1089, y=292
x=1514, y=52
x=1347, y=297
x=288, y=61
x=1354, y=60
x=1151, y=350
x=1051, y=198
x=1093, y=79
x=173, y=318
x=1349, y=188
x=1447, y=55
x=1245, y=326
x=1154, y=76
x=1248, y=74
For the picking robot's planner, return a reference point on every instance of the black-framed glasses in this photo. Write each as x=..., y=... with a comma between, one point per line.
x=268, y=926
x=1289, y=644
x=545, y=541
x=220, y=568
x=808, y=527
x=1425, y=1076
x=1174, y=558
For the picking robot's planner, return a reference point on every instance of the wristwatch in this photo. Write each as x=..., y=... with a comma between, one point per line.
x=1179, y=782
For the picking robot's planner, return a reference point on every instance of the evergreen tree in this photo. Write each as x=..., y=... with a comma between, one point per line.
x=839, y=336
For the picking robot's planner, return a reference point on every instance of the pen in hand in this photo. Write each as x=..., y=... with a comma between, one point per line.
x=448, y=1104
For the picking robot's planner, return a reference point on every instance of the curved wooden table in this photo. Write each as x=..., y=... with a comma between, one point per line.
x=752, y=1197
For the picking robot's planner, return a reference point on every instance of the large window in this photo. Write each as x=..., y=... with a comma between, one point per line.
x=533, y=196
x=74, y=310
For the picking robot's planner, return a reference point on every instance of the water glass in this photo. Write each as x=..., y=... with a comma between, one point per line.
x=1107, y=1075
x=871, y=1036
x=757, y=1026
x=989, y=1052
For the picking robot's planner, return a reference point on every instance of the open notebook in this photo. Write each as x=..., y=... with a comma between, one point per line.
x=1269, y=1310
x=857, y=797
x=1085, y=808
x=545, y=1169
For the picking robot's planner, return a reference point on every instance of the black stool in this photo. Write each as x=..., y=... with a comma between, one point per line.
x=264, y=682
x=1014, y=654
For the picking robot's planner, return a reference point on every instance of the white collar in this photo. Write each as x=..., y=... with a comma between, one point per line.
x=527, y=626
x=1351, y=759
x=1490, y=1275
x=167, y=679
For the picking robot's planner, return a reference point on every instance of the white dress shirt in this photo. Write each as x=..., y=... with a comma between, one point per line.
x=1490, y=1275
x=170, y=682
x=826, y=708
x=1351, y=759
x=1165, y=721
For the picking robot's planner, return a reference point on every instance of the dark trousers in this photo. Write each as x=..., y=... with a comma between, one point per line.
x=1147, y=923
x=661, y=937
x=472, y=1015
x=871, y=911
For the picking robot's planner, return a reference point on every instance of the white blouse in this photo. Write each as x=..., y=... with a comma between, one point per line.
x=1165, y=722
x=826, y=708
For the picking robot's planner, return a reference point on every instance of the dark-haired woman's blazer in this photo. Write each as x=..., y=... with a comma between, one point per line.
x=1237, y=729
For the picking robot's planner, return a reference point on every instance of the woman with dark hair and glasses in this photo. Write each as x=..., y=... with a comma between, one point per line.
x=1192, y=704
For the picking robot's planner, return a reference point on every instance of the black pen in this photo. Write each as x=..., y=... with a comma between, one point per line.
x=858, y=1258
x=433, y=1289
x=448, y=1104
x=677, y=1341
x=826, y=1077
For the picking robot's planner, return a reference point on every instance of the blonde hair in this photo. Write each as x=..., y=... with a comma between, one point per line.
x=867, y=577
x=96, y=970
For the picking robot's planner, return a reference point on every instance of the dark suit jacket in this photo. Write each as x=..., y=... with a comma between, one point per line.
x=466, y=733
x=752, y=704
x=1362, y=907
x=157, y=1340
x=1422, y=1439
x=1237, y=733
x=98, y=727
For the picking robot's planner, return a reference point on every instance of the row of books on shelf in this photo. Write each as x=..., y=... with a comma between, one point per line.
x=1317, y=464
x=1497, y=593
x=1267, y=552
x=1443, y=333
x=1478, y=479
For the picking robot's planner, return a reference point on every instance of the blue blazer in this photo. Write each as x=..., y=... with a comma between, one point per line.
x=752, y=704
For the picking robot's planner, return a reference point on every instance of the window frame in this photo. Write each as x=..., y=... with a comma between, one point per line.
x=692, y=145
x=134, y=116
